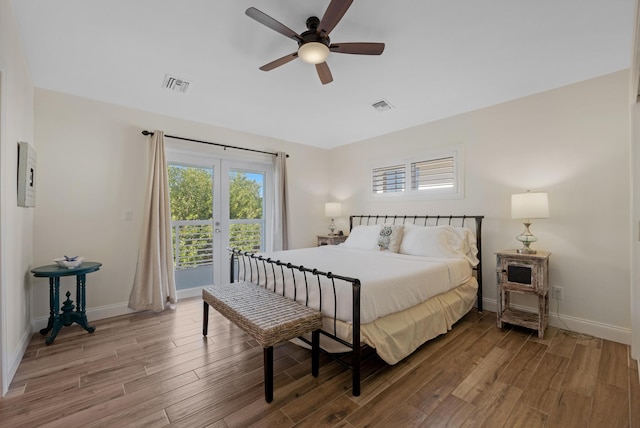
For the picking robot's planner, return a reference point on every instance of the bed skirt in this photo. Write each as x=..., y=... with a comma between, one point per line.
x=396, y=336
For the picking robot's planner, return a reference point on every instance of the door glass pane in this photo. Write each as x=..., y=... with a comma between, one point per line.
x=191, y=196
x=246, y=210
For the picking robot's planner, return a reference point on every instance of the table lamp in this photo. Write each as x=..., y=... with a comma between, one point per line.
x=332, y=210
x=527, y=206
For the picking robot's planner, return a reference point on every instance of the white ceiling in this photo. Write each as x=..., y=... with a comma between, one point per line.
x=442, y=57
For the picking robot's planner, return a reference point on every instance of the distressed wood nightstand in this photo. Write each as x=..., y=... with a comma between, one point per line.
x=526, y=274
x=331, y=239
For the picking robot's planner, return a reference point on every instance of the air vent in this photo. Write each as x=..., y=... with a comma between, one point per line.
x=175, y=84
x=381, y=106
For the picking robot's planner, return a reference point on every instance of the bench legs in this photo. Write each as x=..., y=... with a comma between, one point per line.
x=315, y=352
x=268, y=364
x=268, y=355
x=205, y=319
x=268, y=374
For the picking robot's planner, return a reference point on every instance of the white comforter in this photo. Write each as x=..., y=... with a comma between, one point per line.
x=390, y=282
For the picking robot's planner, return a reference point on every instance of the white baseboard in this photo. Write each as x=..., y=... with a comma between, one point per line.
x=108, y=311
x=579, y=325
x=14, y=360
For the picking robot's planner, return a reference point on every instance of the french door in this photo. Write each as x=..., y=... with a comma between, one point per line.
x=216, y=204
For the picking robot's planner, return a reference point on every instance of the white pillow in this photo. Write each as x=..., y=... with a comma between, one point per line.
x=468, y=244
x=425, y=241
x=439, y=241
x=363, y=237
x=390, y=237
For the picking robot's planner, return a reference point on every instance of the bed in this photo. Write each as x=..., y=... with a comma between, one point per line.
x=395, y=283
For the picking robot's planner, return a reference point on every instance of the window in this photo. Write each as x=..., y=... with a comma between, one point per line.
x=389, y=179
x=431, y=175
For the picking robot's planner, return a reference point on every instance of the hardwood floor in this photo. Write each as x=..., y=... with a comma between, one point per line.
x=156, y=370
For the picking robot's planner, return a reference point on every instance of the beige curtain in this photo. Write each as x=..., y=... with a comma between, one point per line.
x=280, y=215
x=154, y=283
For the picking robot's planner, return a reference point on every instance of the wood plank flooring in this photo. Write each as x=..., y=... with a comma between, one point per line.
x=157, y=370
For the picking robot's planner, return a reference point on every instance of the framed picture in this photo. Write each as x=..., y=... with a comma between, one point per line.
x=27, y=159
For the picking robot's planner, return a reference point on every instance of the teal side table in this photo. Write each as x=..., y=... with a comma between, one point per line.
x=68, y=316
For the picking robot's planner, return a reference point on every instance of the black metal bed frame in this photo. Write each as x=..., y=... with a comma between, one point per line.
x=255, y=264
x=434, y=220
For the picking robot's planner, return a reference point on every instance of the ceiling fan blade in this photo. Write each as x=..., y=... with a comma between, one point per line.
x=324, y=73
x=268, y=21
x=333, y=15
x=280, y=61
x=357, y=48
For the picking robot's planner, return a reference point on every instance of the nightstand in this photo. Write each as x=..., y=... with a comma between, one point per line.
x=525, y=274
x=331, y=239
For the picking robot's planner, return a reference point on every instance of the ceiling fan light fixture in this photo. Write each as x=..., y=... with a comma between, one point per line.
x=313, y=52
x=314, y=44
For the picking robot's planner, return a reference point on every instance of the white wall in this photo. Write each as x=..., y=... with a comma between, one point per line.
x=93, y=160
x=16, y=224
x=571, y=142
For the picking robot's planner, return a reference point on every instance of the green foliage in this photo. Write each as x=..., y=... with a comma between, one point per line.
x=245, y=203
x=190, y=193
x=191, y=197
x=244, y=197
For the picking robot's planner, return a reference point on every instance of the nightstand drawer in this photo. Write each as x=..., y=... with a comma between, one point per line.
x=523, y=275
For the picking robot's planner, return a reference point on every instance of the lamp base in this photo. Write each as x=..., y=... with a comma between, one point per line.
x=526, y=238
x=332, y=228
x=525, y=250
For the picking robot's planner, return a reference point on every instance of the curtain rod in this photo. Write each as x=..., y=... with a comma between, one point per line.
x=225, y=146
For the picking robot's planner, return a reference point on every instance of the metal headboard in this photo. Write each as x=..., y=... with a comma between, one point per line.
x=471, y=221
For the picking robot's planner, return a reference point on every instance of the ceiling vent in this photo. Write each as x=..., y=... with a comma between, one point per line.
x=175, y=84
x=381, y=106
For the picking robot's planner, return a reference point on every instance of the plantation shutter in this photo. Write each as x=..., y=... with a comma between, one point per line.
x=433, y=174
x=389, y=179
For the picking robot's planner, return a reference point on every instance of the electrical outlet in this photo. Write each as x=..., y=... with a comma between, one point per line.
x=558, y=293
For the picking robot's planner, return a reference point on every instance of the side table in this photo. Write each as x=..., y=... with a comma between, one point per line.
x=331, y=239
x=68, y=316
x=524, y=274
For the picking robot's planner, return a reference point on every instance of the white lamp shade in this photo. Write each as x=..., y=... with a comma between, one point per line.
x=530, y=205
x=313, y=52
x=333, y=209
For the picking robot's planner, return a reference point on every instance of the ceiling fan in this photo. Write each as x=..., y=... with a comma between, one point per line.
x=314, y=44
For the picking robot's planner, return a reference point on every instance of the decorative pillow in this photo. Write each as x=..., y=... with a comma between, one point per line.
x=439, y=241
x=363, y=237
x=390, y=237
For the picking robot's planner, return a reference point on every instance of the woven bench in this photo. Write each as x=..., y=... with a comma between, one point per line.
x=267, y=317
